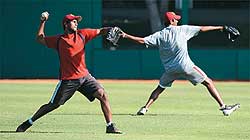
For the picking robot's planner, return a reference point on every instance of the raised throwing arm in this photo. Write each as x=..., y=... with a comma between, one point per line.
x=40, y=34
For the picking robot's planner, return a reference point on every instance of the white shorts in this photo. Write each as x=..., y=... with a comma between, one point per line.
x=195, y=75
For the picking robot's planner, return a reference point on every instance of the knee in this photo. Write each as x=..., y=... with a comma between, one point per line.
x=101, y=95
x=208, y=82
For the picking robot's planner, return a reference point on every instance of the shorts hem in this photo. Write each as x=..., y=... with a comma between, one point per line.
x=163, y=86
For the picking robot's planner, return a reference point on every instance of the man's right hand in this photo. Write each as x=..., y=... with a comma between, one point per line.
x=44, y=16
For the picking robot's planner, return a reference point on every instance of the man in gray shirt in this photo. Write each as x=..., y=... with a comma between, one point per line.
x=172, y=44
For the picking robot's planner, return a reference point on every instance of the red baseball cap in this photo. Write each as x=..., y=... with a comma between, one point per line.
x=171, y=15
x=70, y=17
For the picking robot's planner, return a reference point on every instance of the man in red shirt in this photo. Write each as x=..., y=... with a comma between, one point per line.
x=74, y=75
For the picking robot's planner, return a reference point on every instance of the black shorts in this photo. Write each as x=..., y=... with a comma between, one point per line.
x=65, y=89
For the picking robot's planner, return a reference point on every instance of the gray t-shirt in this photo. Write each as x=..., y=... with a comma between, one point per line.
x=172, y=44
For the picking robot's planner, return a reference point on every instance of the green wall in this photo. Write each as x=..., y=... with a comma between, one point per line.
x=219, y=64
x=21, y=56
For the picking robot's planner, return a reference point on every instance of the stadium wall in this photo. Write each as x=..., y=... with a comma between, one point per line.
x=219, y=64
x=22, y=57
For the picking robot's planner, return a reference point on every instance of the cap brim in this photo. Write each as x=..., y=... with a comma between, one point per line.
x=177, y=17
x=78, y=18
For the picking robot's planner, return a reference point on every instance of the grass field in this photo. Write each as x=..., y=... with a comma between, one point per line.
x=183, y=112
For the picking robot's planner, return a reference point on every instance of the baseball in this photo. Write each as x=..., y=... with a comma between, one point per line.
x=44, y=16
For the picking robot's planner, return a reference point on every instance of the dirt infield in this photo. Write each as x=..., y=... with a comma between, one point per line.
x=100, y=80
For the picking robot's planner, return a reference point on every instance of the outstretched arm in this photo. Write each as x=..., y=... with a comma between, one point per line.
x=40, y=34
x=103, y=31
x=210, y=28
x=136, y=39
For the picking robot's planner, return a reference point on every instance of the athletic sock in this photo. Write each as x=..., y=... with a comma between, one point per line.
x=223, y=106
x=30, y=121
x=109, y=123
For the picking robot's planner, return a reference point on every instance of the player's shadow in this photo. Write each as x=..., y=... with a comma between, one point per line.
x=115, y=114
x=93, y=114
x=44, y=132
x=7, y=131
x=131, y=114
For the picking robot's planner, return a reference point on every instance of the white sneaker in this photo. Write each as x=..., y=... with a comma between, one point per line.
x=142, y=111
x=228, y=109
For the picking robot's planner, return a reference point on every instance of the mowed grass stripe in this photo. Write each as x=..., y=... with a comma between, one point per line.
x=182, y=112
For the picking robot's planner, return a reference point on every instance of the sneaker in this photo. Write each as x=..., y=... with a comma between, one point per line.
x=112, y=129
x=24, y=126
x=142, y=111
x=228, y=109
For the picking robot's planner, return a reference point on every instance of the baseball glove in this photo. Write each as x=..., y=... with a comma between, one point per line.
x=231, y=32
x=114, y=35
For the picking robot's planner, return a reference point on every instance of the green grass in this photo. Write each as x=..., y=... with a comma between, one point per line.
x=183, y=112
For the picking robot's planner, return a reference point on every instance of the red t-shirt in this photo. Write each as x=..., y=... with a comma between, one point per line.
x=71, y=50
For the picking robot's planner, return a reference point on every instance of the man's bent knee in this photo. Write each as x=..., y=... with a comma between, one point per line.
x=207, y=82
x=100, y=94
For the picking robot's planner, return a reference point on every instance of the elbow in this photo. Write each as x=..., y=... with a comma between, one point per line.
x=37, y=39
x=206, y=28
x=140, y=40
x=40, y=39
x=203, y=29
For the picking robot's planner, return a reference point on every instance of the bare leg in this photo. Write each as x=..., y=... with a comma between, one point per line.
x=213, y=91
x=154, y=95
x=103, y=98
